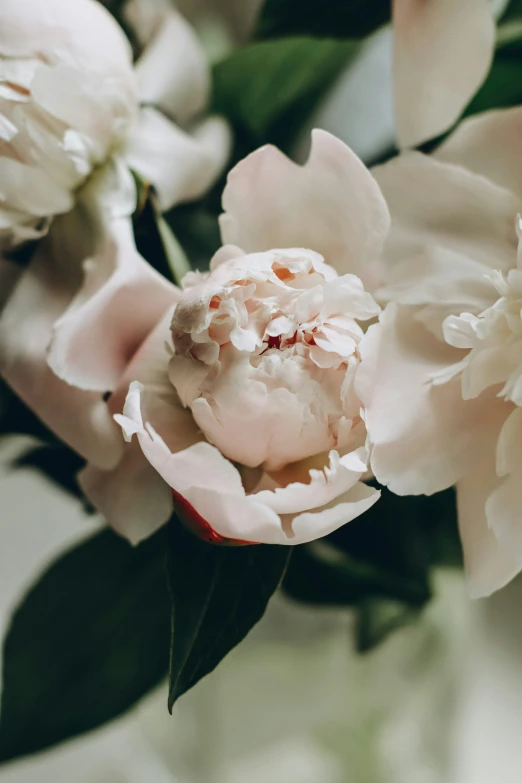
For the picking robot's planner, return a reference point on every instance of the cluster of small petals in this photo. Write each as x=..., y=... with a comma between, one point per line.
x=494, y=340
x=265, y=352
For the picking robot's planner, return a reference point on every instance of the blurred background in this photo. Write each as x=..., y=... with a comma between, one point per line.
x=438, y=701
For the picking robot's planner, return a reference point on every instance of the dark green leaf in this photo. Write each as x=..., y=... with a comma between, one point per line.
x=332, y=18
x=89, y=639
x=380, y=564
x=218, y=594
x=404, y=535
x=268, y=89
x=321, y=573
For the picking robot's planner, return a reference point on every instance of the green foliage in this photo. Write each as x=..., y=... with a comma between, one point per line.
x=332, y=18
x=503, y=85
x=88, y=640
x=380, y=563
x=218, y=594
x=268, y=89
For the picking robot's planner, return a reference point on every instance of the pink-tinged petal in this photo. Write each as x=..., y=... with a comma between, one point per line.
x=80, y=33
x=488, y=144
x=422, y=434
x=336, y=478
x=119, y=302
x=435, y=203
x=172, y=72
x=442, y=53
x=438, y=276
x=211, y=489
x=489, y=564
x=181, y=166
x=331, y=205
x=80, y=418
x=133, y=497
x=32, y=190
x=316, y=524
x=504, y=505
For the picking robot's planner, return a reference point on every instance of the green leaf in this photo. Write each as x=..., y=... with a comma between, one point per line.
x=218, y=594
x=333, y=18
x=503, y=85
x=381, y=563
x=177, y=260
x=323, y=574
x=268, y=89
x=88, y=640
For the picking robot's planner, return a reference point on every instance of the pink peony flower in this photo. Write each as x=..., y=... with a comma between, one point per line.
x=243, y=399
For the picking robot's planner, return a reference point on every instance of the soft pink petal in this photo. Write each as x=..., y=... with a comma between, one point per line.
x=489, y=144
x=443, y=50
x=119, y=301
x=172, y=72
x=316, y=524
x=422, y=434
x=435, y=203
x=181, y=166
x=80, y=418
x=331, y=205
x=133, y=497
x=324, y=485
x=489, y=564
x=438, y=276
x=504, y=505
x=211, y=484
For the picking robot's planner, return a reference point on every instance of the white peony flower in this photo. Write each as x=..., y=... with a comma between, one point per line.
x=243, y=399
x=75, y=118
x=441, y=375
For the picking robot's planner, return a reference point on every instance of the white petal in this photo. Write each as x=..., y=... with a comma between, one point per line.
x=173, y=73
x=331, y=205
x=489, y=565
x=120, y=300
x=441, y=204
x=422, y=434
x=181, y=166
x=442, y=53
x=81, y=419
x=488, y=144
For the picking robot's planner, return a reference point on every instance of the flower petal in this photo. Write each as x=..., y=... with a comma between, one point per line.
x=489, y=564
x=84, y=34
x=80, y=418
x=212, y=486
x=488, y=144
x=422, y=434
x=324, y=485
x=331, y=205
x=442, y=53
x=441, y=204
x=133, y=497
x=118, y=303
x=437, y=275
x=172, y=72
x=181, y=166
